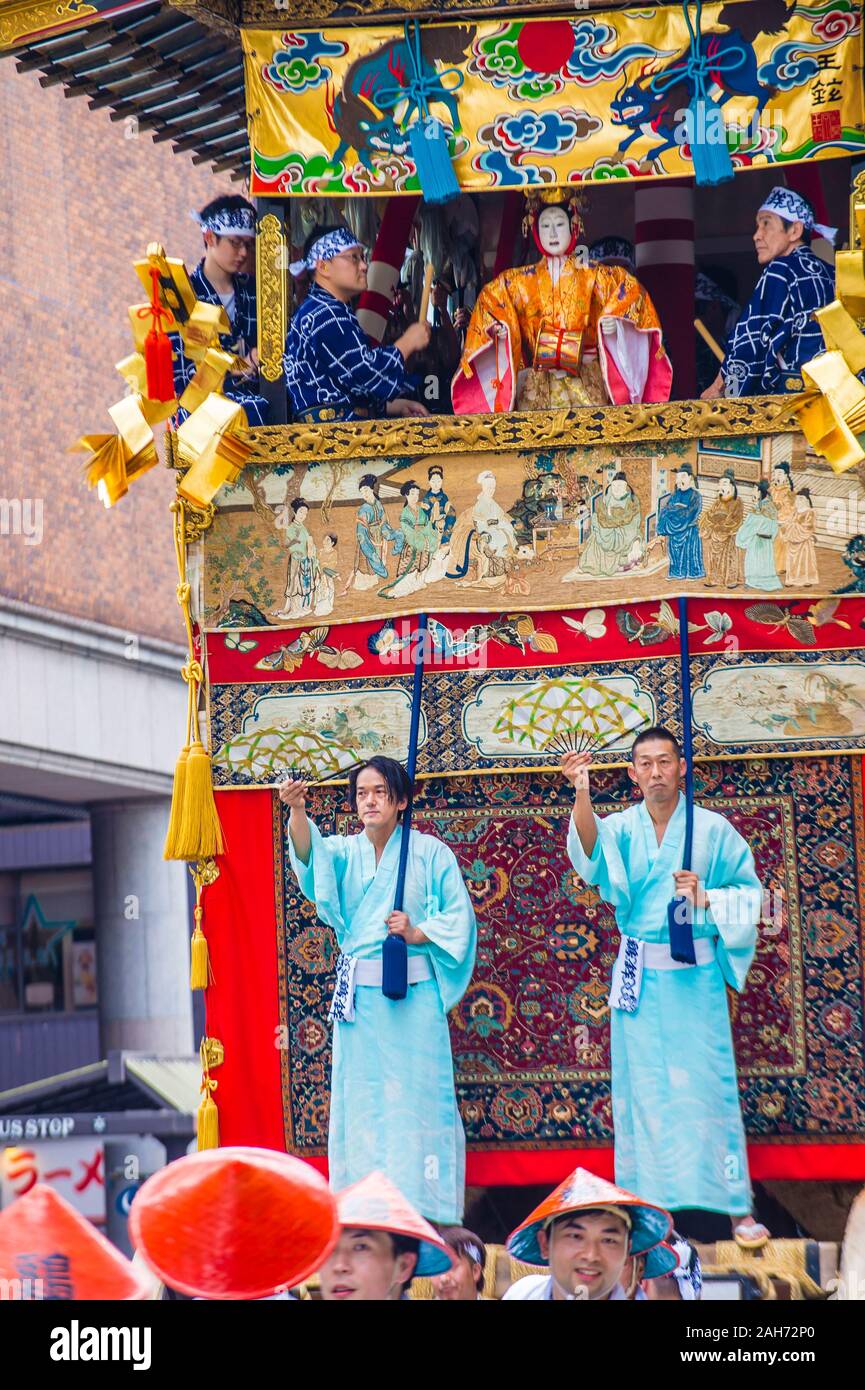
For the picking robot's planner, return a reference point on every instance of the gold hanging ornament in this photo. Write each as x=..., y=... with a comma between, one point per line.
x=204, y=872
x=199, y=324
x=194, y=831
x=212, y=1054
x=850, y=269
x=831, y=410
x=212, y=440
x=118, y=459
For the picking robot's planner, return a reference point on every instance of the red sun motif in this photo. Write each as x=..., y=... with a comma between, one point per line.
x=545, y=45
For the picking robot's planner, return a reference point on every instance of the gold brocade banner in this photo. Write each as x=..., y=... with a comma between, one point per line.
x=534, y=101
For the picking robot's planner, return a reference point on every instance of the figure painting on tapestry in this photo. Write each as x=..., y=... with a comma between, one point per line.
x=365, y=538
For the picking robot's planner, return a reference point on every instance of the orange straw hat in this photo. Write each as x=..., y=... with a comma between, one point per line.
x=583, y=1191
x=234, y=1223
x=56, y=1253
x=375, y=1204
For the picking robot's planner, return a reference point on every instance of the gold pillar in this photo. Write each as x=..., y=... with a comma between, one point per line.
x=271, y=274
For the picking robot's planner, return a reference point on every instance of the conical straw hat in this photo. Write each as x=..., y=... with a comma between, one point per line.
x=234, y=1223
x=581, y=1192
x=56, y=1253
x=375, y=1204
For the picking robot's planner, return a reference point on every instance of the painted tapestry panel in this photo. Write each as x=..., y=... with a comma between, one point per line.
x=351, y=540
x=526, y=101
x=515, y=690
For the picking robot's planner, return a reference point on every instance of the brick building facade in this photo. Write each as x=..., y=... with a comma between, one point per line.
x=83, y=196
x=90, y=719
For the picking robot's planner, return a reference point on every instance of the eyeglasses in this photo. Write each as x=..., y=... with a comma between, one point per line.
x=359, y=257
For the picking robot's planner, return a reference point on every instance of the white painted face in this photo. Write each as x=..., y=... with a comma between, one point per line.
x=554, y=231
x=725, y=488
x=619, y=488
x=684, y=481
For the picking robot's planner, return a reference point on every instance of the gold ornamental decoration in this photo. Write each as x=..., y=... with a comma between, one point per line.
x=831, y=410
x=211, y=442
x=585, y=428
x=271, y=262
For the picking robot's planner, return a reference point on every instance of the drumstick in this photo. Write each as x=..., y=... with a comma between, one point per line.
x=707, y=338
x=427, y=289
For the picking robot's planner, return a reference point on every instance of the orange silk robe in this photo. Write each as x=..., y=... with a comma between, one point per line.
x=526, y=301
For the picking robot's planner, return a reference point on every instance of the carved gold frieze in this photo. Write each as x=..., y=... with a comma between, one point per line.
x=466, y=434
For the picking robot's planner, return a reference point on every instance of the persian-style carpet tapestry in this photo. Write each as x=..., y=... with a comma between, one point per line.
x=531, y=1036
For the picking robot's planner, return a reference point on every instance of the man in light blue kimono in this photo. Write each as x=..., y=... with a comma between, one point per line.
x=679, y=1137
x=392, y=1104
x=678, y=520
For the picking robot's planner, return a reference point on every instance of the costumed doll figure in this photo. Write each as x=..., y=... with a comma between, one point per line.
x=561, y=332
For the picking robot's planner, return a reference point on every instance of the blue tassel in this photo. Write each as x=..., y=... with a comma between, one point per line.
x=394, y=967
x=709, y=152
x=435, y=170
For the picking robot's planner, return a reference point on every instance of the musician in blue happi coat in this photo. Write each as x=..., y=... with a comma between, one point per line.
x=679, y=1137
x=332, y=371
x=228, y=227
x=777, y=332
x=678, y=520
x=392, y=1100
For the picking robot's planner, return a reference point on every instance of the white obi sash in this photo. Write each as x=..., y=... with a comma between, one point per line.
x=635, y=956
x=352, y=973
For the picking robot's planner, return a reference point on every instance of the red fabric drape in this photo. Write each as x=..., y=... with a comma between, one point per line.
x=242, y=1004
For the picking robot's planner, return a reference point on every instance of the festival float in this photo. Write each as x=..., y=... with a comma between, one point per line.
x=551, y=603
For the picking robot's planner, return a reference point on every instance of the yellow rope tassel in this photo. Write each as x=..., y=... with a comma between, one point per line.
x=200, y=974
x=208, y=1117
x=200, y=834
x=194, y=831
x=172, y=837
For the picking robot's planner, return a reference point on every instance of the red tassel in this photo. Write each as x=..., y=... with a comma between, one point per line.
x=166, y=369
x=157, y=349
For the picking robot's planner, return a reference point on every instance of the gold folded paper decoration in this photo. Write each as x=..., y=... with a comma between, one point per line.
x=203, y=328
x=118, y=459
x=210, y=376
x=198, y=324
x=832, y=414
x=841, y=333
x=212, y=442
x=850, y=269
x=134, y=373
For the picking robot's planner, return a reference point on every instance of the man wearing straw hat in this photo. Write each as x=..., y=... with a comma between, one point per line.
x=393, y=1105
x=383, y=1244
x=679, y=1137
x=585, y=1231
